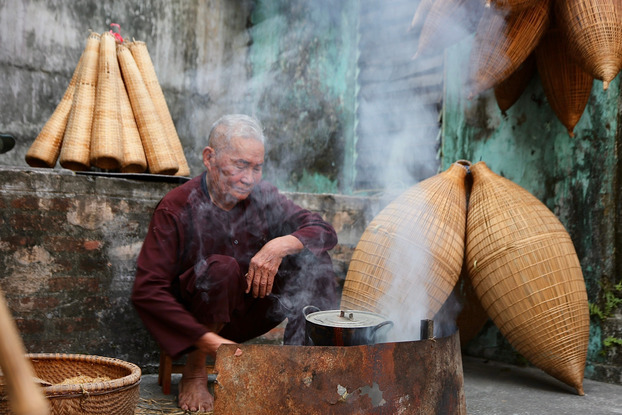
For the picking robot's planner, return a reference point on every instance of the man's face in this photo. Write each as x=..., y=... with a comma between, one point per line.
x=234, y=170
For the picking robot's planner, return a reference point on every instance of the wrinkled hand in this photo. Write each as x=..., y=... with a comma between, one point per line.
x=265, y=264
x=210, y=342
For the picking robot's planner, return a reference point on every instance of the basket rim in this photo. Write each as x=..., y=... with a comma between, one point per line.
x=93, y=388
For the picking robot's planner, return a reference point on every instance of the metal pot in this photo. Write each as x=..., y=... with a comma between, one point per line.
x=343, y=327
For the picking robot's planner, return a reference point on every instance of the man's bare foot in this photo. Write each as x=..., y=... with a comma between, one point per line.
x=193, y=394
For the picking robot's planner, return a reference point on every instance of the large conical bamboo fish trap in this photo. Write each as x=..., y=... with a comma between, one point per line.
x=503, y=42
x=111, y=120
x=525, y=271
x=566, y=85
x=412, y=252
x=511, y=89
x=594, y=32
x=461, y=15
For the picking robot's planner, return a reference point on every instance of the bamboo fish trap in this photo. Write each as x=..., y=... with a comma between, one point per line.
x=502, y=43
x=106, y=149
x=143, y=61
x=511, y=89
x=44, y=151
x=109, y=120
x=461, y=15
x=134, y=160
x=594, y=32
x=525, y=271
x=566, y=85
x=413, y=249
x=76, y=148
x=512, y=6
x=157, y=150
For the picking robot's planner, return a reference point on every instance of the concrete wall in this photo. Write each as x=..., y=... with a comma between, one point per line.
x=577, y=178
x=68, y=247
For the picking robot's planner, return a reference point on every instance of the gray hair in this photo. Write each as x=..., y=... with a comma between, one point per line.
x=234, y=125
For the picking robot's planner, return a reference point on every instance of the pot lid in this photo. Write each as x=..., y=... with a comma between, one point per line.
x=345, y=318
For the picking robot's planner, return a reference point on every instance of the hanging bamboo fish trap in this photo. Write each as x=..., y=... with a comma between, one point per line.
x=413, y=250
x=566, y=85
x=510, y=90
x=145, y=65
x=160, y=159
x=594, y=32
x=461, y=15
x=512, y=6
x=76, y=147
x=44, y=151
x=502, y=43
x=106, y=145
x=420, y=14
x=134, y=160
x=525, y=271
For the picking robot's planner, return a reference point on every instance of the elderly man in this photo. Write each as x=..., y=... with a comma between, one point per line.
x=227, y=258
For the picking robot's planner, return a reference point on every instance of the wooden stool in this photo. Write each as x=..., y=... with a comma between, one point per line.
x=167, y=368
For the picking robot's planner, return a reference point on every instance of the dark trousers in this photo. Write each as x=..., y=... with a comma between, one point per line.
x=214, y=291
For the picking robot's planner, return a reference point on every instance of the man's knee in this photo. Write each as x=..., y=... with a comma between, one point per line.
x=220, y=271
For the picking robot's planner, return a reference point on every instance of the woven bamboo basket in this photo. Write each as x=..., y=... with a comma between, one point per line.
x=525, y=271
x=118, y=396
x=461, y=15
x=76, y=147
x=160, y=158
x=106, y=145
x=510, y=90
x=134, y=160
x=566, y=85
x=145, y=65
x=411, y=253
x=594, y=34
x=44, y=151
x=502, y=43
x=512, y=6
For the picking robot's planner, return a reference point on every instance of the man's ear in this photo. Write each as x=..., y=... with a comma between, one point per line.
x=208, y=156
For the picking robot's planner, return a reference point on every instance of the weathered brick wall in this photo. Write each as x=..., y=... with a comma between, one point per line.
x=68, y=245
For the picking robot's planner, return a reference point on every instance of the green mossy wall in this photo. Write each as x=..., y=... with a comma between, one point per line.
x=303, y=63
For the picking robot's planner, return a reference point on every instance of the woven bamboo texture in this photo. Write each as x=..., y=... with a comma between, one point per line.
x=44, y=151
x=423, y=8
x=510, y=90
x=134, y=160
x=160, y=159
x=502, y=43
x=461, y=15
x=413, y=250
x=566, y=85
x=106, y=146
x=594, y=32
x=76, y=147
x=118, y=396
x=145, y=65
x=512, y=6
x=525, y=271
